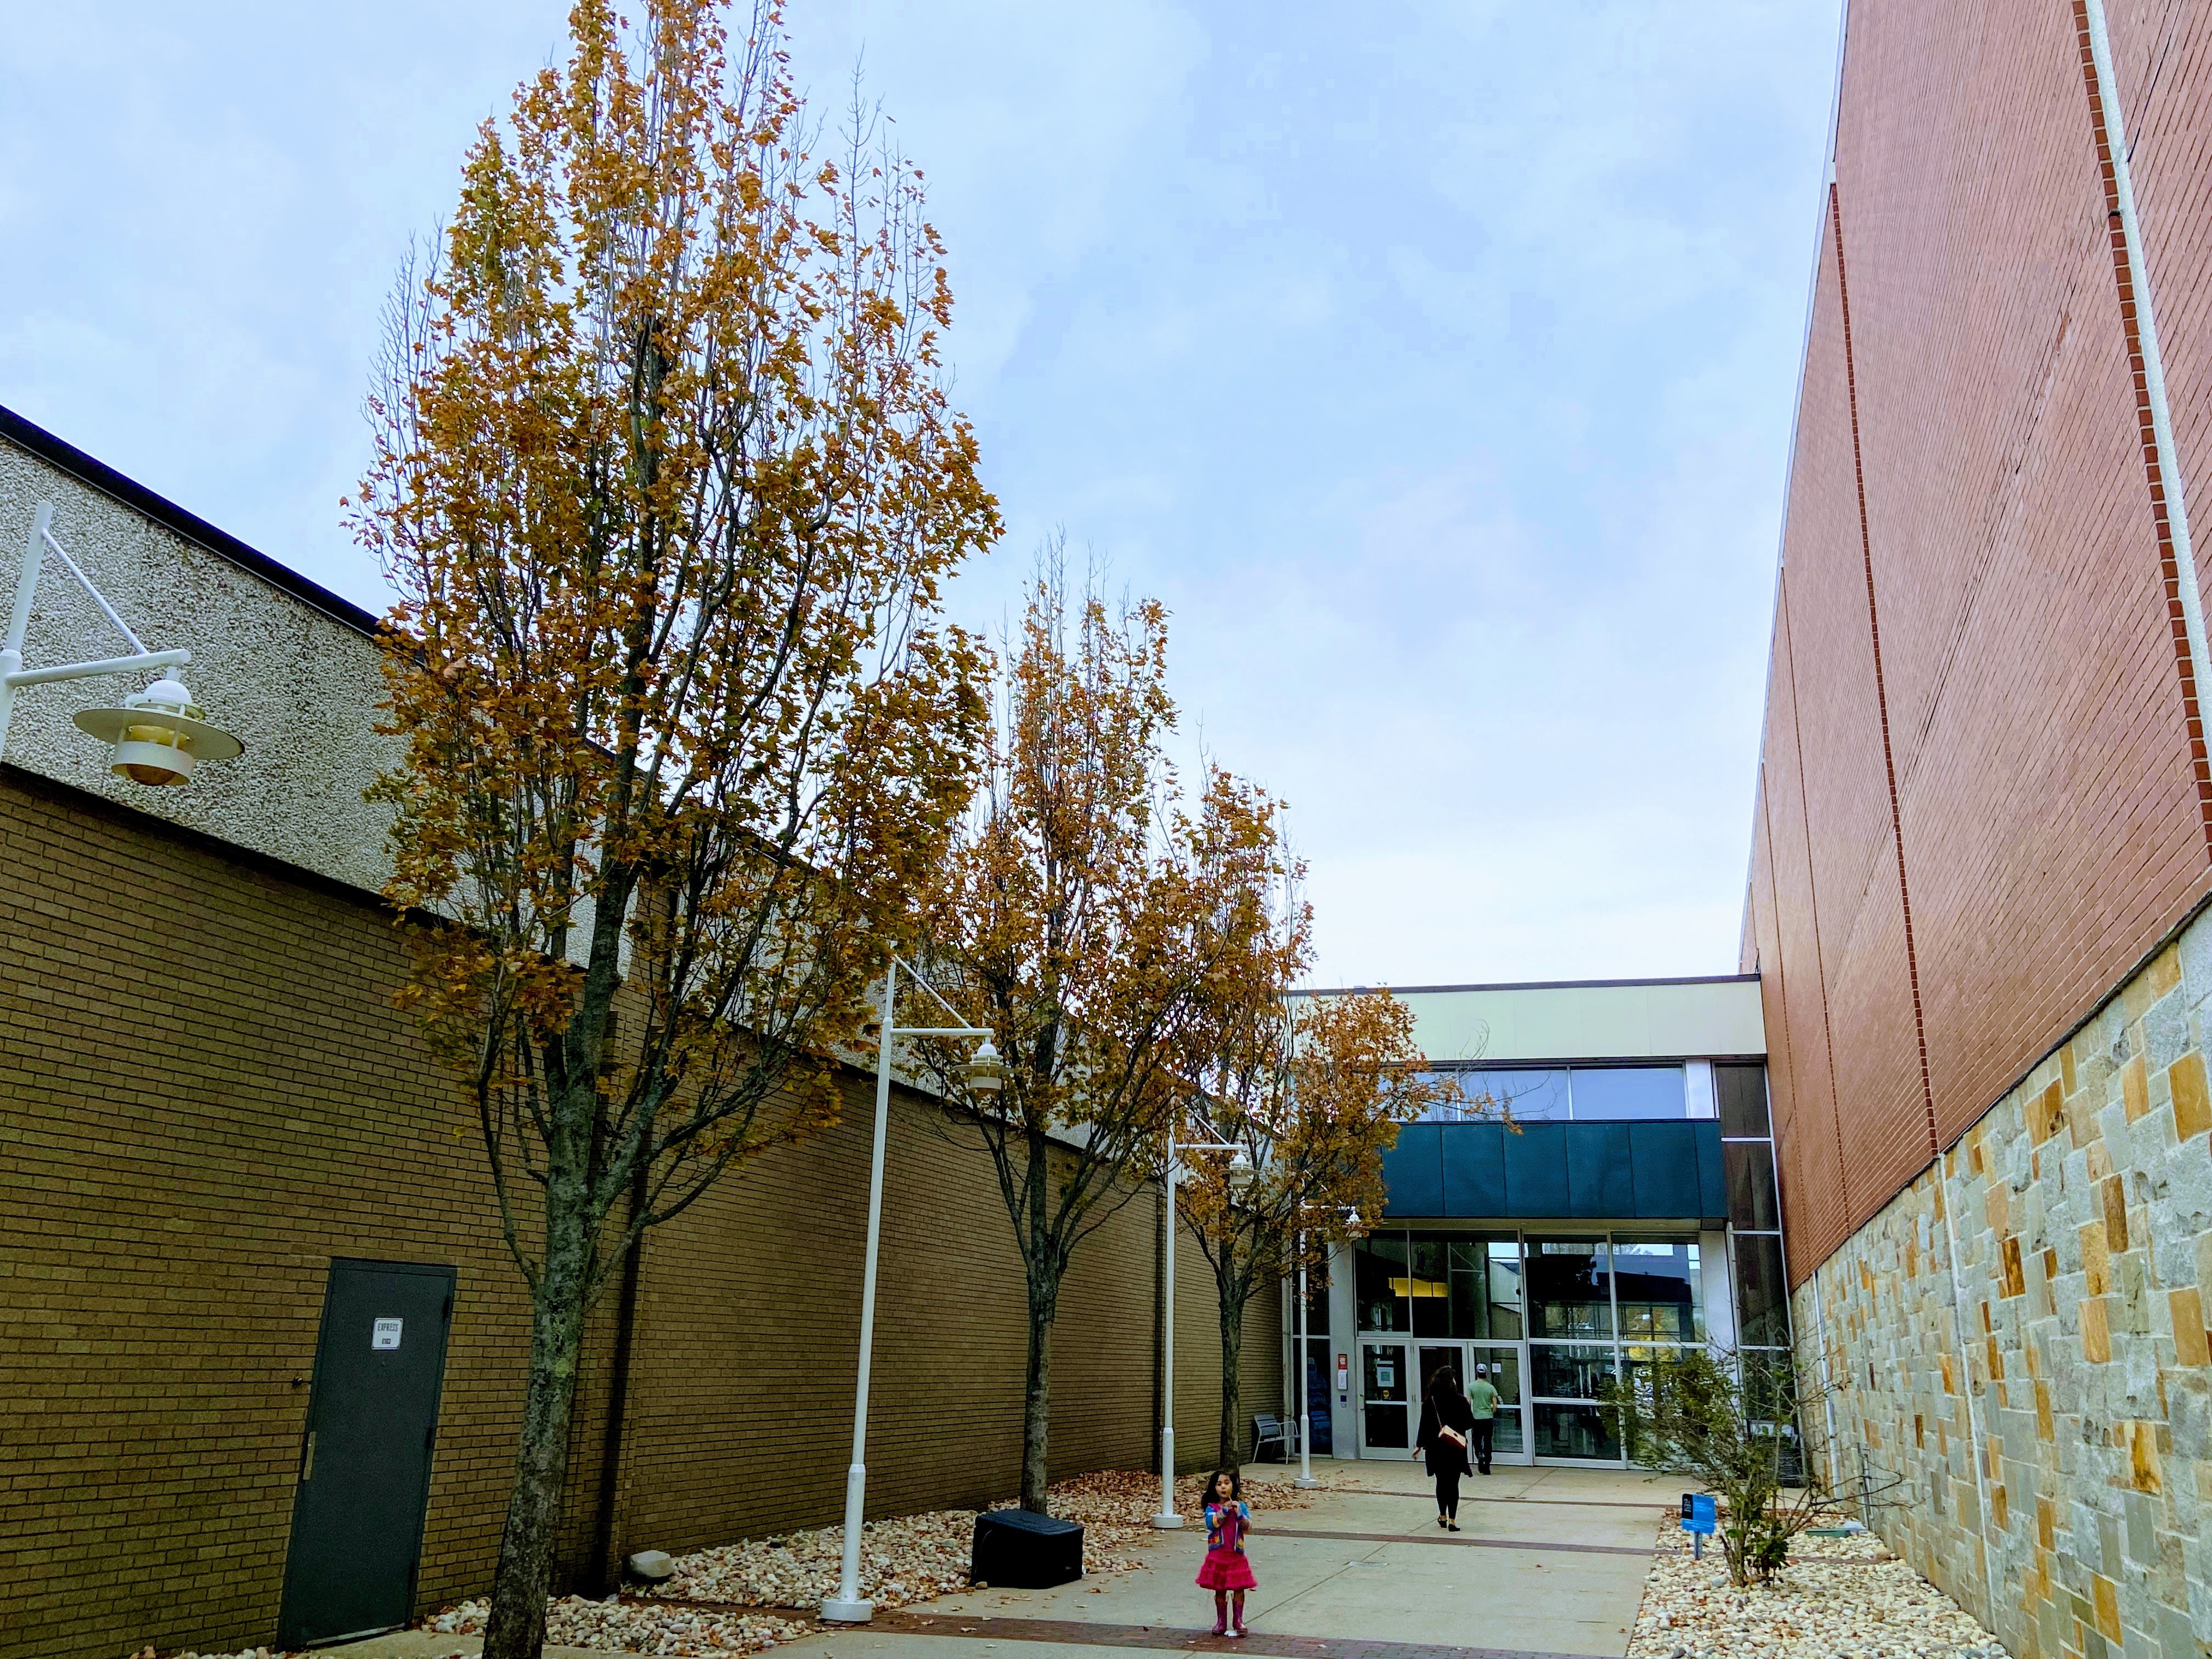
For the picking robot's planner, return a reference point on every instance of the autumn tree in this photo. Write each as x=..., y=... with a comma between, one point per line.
x=1069, y=918
x=667, y=484
x=1313, y=1089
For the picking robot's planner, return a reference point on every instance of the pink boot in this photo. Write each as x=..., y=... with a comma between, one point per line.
x=1220, y=1617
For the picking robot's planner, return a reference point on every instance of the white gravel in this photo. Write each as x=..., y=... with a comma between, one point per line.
x=768, y=1590
x=1839, y=1598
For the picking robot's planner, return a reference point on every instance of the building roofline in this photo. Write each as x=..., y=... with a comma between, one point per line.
x=65, y=457
x=1532, y=985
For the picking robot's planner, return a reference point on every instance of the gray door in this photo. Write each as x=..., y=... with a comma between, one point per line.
x=364, y=1474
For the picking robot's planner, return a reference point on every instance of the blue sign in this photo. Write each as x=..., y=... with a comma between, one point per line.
x=1699, y=1515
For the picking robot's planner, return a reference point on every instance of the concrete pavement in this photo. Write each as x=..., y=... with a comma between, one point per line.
x=1548, y=1562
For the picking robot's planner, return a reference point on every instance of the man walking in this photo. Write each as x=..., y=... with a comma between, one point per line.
x=1482, y=1399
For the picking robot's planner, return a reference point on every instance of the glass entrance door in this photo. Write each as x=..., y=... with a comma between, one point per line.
x=1394, y=1379
x=1385, y=1397
x=1500, y=1363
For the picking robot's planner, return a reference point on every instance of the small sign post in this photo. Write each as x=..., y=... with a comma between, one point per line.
x=1700, y=1517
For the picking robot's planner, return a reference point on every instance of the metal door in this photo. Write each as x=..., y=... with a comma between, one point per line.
x=364, y=1473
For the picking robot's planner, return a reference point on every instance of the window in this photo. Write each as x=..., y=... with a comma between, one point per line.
x=1610, y=1093
x=1751, y=1200
x=1570, y=1288
x=1759, y=1287
x=1488, y=1094
x=1660, y=1289
x=1486, y=1288
x=1742, y=1093
x=1379, y=1280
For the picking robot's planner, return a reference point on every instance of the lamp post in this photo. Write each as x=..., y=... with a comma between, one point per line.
x=1305, y=1482
x=1240, y=1172
x=158, y=734
x=984, y=1073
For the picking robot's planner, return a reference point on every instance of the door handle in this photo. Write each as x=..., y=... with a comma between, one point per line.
x=307, y=1469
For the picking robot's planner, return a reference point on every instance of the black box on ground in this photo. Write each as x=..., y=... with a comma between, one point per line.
x=1023, y=1551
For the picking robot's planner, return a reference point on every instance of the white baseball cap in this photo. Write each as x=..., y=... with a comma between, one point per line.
x=1482, y=1371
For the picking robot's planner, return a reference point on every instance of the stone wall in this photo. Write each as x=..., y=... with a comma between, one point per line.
x=2018, y=1339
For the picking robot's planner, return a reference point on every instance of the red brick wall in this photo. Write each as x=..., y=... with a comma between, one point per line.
x=2045, y=802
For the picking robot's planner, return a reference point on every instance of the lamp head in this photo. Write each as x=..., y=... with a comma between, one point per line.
x=1240, y=1171
x=986, y=1073
x=159, y=734
x=1352, y=1219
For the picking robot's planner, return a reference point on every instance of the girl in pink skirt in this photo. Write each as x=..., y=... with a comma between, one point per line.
x=1228, y=1518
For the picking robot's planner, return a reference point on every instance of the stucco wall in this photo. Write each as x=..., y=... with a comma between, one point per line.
x=298, y=685
x=2019, y=1338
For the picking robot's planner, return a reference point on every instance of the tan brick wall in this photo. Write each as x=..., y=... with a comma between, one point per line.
x=2019, y=1338
x=208, y=1095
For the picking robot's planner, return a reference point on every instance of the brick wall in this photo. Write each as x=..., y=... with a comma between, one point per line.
x=2018, y=1339
x=209, y=1095
x=1960, y=852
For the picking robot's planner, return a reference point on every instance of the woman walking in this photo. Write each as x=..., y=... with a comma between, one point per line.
x=1447, y=1420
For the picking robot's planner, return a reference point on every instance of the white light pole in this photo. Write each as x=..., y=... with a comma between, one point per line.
x=1305, y=1482
x=159, y=733
x=984, y=1074
x=1240, y=1171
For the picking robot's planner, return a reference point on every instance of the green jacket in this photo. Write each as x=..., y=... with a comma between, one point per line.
x=1482, y=1397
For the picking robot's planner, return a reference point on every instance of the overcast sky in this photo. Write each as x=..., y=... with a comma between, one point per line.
x=1432, y=363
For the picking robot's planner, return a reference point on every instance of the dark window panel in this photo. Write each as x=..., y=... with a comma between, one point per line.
x=1763, y=1299
x=1741, y=1091
x=1752, y=1203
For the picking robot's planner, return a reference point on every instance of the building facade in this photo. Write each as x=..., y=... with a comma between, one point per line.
x=217, y=1126
x=1604, y=1196
x=1982, y=837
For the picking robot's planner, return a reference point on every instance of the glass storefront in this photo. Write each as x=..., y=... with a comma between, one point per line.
x=1563, y=1315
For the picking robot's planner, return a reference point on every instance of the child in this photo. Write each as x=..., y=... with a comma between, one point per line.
x=1228, y=1518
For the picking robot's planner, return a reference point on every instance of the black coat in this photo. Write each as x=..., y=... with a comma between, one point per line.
x=1446, y=1409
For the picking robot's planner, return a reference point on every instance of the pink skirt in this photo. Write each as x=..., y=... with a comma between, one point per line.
x=1226, y=1569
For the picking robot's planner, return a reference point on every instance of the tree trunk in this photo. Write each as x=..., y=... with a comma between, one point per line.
x=1037, y=1407
x=1232, y=1351
x=1042, y=1265
x=517, y=1627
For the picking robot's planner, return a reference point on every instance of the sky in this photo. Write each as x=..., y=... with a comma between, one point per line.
x=1433, y=363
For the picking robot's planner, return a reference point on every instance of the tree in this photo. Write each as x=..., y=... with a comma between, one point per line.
x=1313, y=1089
x=1734, y=1420
x=667, y=484
x=1068, y=918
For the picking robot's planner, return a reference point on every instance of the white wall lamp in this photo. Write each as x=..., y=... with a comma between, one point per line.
x=160, y=734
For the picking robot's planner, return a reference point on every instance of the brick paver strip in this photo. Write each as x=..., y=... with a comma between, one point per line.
x=1434, y=1536
x=1164, y=1638
x=1466, y=1497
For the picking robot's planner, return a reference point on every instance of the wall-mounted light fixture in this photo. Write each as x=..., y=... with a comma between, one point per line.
x=160, y=734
